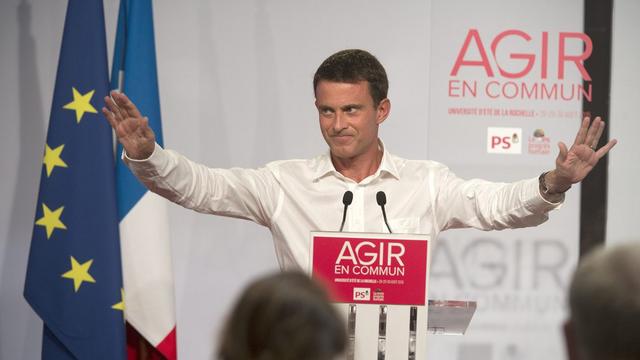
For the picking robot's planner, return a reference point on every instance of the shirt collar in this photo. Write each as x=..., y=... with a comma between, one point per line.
x=324, y=166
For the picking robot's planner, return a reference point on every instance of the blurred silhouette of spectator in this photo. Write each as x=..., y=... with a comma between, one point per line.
x=284, y=316
x=604, y=304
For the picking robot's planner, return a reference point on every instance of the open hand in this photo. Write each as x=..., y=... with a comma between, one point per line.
x=132, y=129
x=575, y=163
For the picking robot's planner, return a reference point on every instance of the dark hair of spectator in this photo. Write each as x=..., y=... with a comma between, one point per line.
x=604, y=302
x=285, y=316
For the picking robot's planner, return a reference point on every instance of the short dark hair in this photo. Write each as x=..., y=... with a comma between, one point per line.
x=285, y=316
x=351, y=66
x=604, y=303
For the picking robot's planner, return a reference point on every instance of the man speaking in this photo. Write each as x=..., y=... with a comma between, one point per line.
x=347, y=188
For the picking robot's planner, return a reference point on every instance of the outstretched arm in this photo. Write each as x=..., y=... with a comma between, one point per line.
x=241, y=193
x=132, y=129
x=575, y=163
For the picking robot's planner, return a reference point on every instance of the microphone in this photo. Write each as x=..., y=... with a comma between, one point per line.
x=381, y=198
x=347, y=198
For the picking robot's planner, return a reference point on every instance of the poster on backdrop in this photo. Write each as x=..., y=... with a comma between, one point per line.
x=507, y=83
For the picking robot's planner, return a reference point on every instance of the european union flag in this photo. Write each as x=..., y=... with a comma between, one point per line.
x=74, y=276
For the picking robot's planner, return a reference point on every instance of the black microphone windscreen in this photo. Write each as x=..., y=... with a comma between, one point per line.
x=381, y=198
x=347, y=198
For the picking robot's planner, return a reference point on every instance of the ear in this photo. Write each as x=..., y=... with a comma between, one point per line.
x=384, y=107
x=570, y=340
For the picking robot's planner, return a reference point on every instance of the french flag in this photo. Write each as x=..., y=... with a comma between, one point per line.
x=143, y=216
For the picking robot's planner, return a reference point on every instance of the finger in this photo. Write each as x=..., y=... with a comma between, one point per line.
x=114, y=109
x=562, y=155
x=119, y=102
x=593, y=130
x=594, y=143
x=110, y=117
x=125, y=104
x=145, y=125
x=605, y=149
x=582, y=133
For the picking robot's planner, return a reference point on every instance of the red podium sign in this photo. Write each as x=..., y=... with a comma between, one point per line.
x=371, y=268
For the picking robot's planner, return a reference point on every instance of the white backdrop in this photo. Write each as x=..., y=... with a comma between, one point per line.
x=235, y=86
x=518, y=277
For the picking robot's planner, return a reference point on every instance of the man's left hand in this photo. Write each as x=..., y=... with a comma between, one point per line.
x=575, y=163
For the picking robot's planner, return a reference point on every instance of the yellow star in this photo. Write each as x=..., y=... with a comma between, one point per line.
x=81, y=104
x=51, y=219
x=52, y=158
x=120, y=305
x=79, y=273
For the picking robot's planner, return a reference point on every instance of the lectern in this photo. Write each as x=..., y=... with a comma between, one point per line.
x=379, y=283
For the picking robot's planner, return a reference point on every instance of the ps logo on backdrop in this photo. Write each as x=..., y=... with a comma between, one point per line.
x=501, y=140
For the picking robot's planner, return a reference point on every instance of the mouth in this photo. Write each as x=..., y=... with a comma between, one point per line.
x=341, y=139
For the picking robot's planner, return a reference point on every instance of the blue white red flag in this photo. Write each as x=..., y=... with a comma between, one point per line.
x=143, y=217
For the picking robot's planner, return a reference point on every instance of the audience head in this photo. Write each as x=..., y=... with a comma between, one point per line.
x=604, y=304
x=285, y=316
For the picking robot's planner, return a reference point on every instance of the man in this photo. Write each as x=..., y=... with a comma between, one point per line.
x=604, y=304
x=297, y=196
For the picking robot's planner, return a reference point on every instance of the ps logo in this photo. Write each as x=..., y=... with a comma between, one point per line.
x=504, y=140
x=361, y=294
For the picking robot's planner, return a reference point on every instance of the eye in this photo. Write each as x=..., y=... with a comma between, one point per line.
x=326, y=111
x=351, y=109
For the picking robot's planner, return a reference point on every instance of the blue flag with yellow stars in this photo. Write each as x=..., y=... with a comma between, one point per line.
x=74, y=276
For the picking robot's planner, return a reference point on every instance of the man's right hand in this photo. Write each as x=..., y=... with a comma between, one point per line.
x=132, y=129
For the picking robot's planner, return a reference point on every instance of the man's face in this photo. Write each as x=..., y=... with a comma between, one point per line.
x=348, y=119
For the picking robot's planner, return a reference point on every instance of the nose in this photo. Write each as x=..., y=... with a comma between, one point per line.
x=339, y=122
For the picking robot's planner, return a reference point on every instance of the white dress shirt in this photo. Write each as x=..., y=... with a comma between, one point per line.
x=294, y=197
